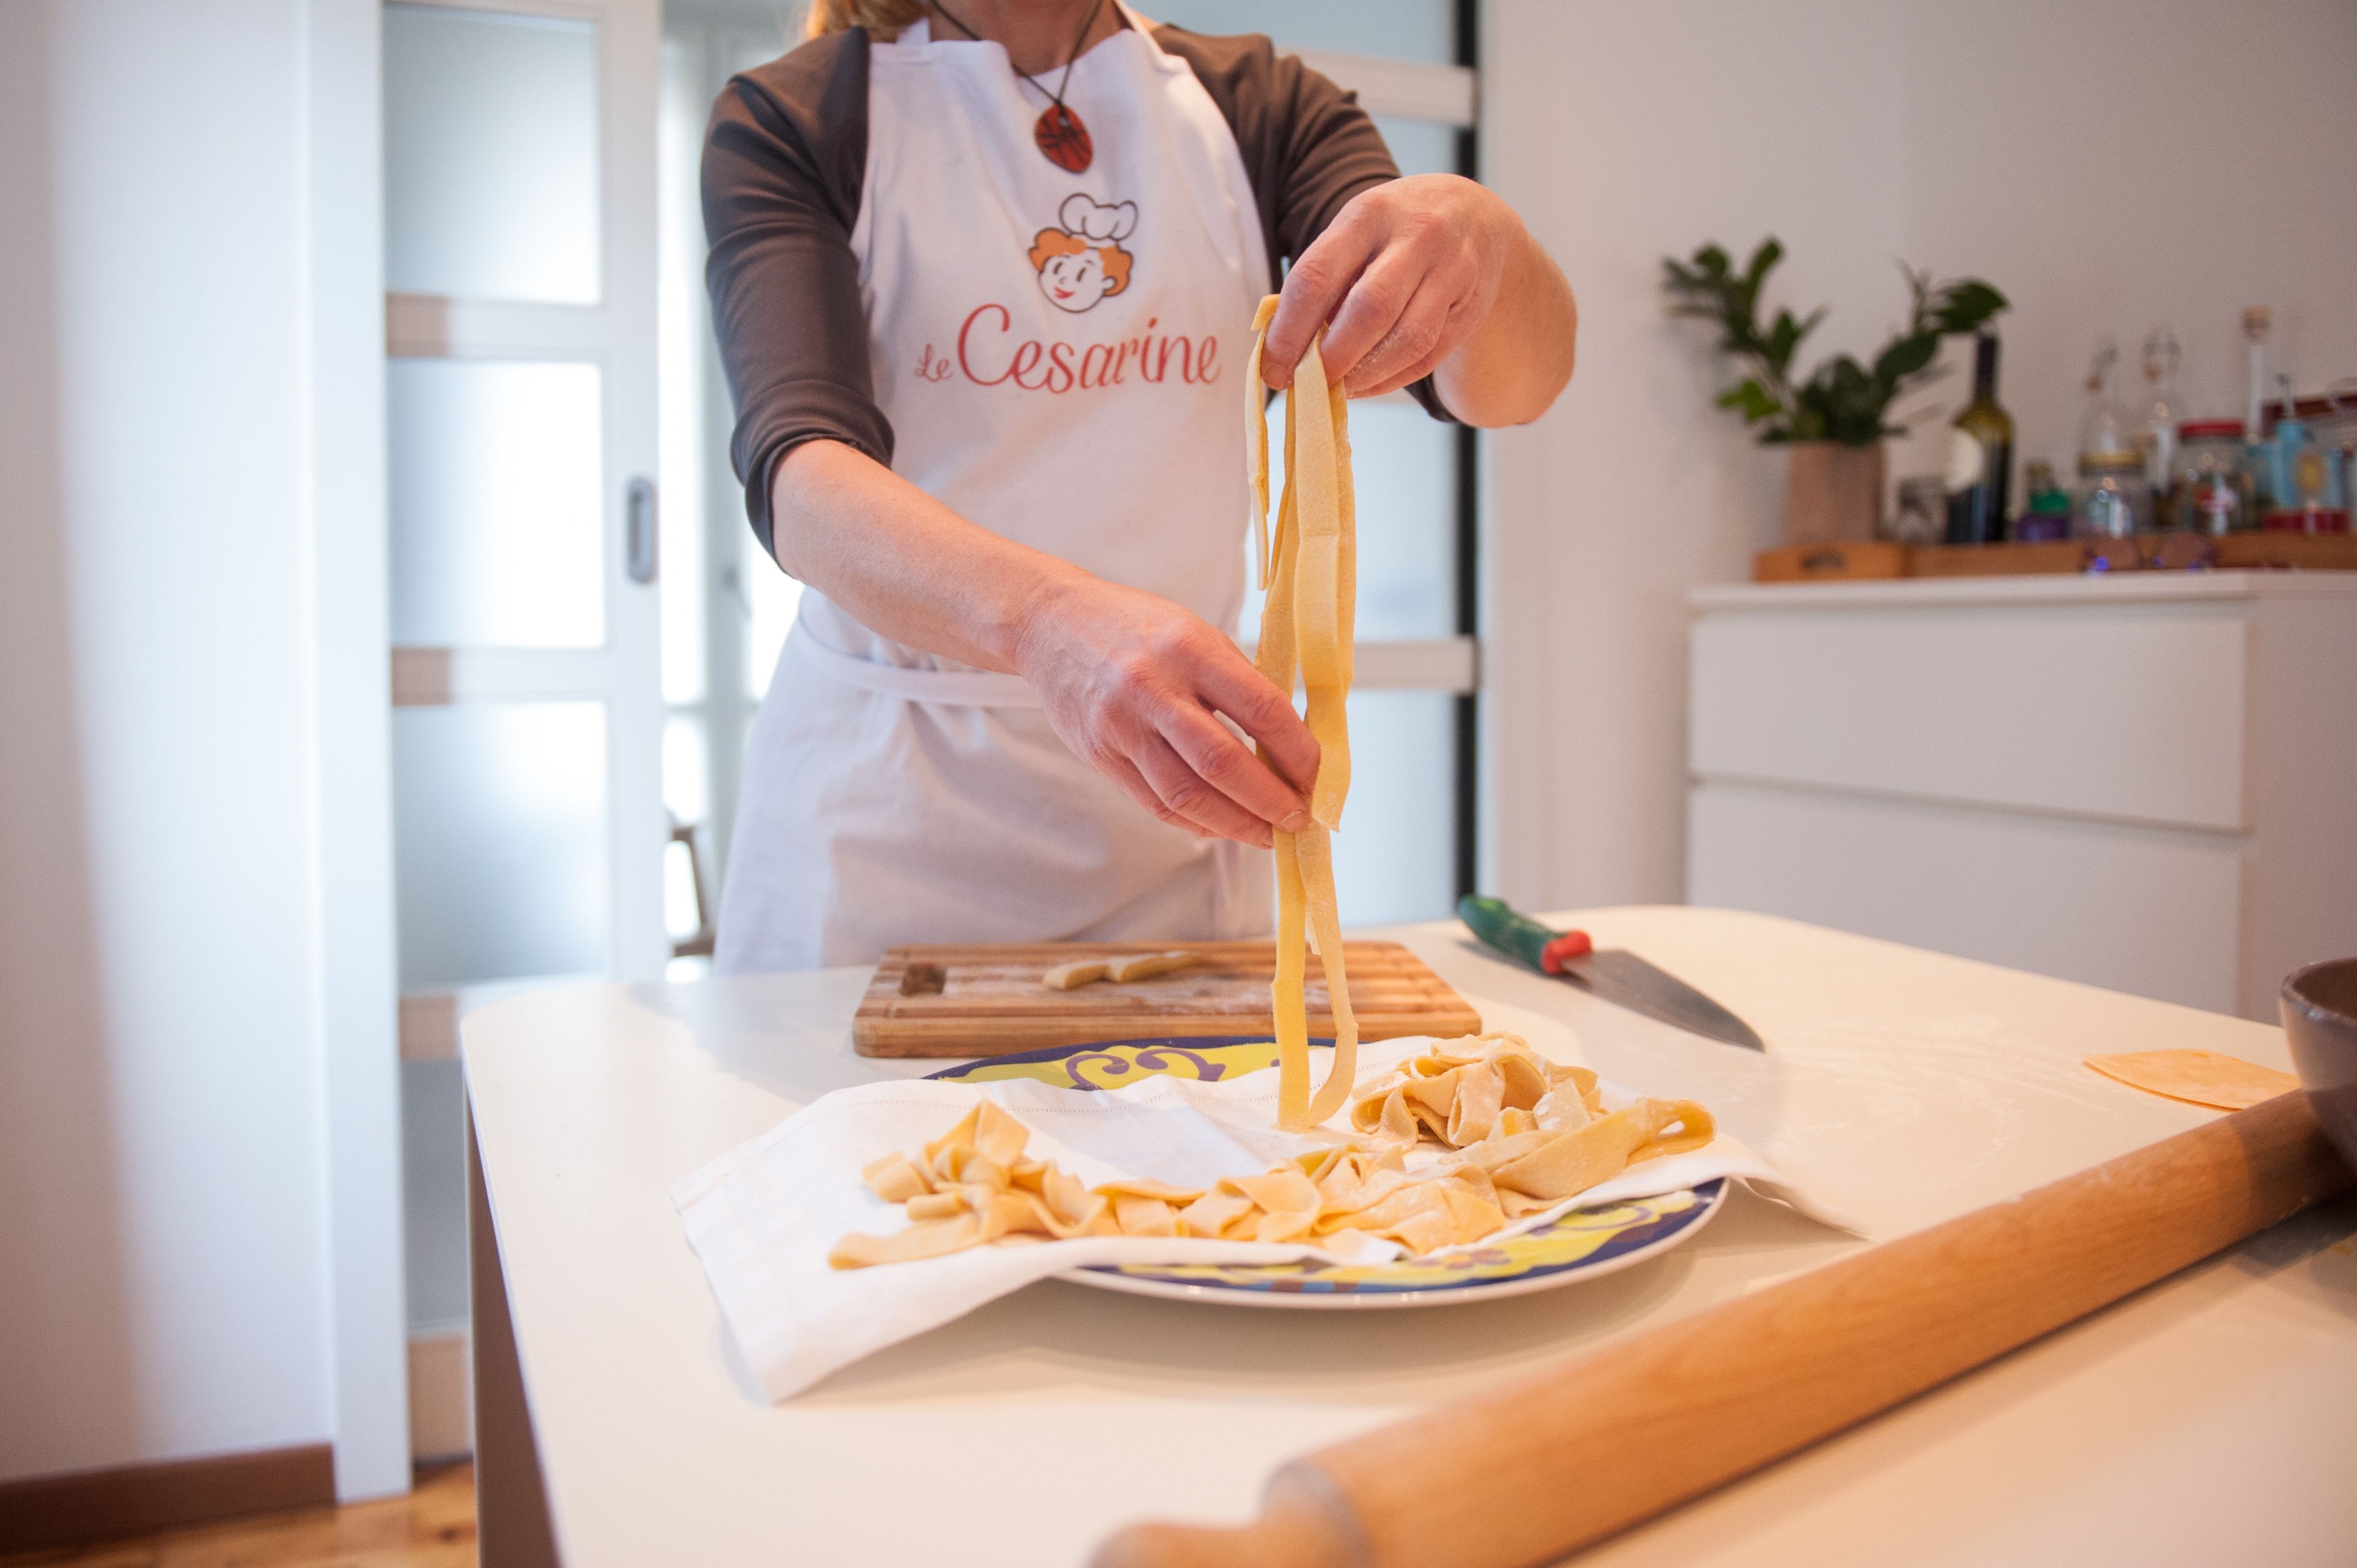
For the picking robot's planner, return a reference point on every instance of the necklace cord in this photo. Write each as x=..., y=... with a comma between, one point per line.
x=1056, y=96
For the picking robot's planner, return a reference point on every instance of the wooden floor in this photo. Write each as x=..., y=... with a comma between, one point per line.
x=434, y=1527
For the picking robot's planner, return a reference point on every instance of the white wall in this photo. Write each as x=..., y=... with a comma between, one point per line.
x=164, y=1083
x=2107, y=164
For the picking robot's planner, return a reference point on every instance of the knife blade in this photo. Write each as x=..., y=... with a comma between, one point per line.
x=1611, y=974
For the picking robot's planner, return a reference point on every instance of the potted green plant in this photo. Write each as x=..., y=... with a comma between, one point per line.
x=1835, y=421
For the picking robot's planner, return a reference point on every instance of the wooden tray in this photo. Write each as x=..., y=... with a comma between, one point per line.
x=986, y=999
x=1881, y=559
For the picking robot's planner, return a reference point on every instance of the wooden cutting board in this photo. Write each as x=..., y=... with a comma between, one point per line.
x=987, y=999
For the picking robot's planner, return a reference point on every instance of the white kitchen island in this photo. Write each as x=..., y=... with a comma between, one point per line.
x=2147, y=781
x=2208, y=1420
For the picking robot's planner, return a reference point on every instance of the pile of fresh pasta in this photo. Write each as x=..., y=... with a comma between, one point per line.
x=1521, y=1134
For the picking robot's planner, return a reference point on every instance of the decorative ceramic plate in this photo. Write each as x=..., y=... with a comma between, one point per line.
x=1583, y=1244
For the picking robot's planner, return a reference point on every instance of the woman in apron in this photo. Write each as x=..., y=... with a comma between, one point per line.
x=983, y=276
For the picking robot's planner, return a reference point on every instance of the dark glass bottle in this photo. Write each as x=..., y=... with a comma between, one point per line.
x=1980, y=466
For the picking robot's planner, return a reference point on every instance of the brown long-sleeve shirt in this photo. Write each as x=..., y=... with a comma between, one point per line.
x=783, y=164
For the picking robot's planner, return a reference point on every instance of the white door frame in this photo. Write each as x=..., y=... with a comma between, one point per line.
x=357, y=973
x=352, y=722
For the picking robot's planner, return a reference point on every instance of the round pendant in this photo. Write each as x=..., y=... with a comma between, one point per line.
x=1064, y=140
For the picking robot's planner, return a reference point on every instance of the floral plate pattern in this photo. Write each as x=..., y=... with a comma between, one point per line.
x=1583, y=1244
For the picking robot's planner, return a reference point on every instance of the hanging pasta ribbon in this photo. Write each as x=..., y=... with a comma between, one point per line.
x=1310, y=571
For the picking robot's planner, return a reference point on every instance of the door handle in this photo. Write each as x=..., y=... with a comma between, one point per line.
x=638, y=556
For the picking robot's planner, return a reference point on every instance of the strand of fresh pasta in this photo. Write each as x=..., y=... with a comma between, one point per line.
x=1257, y=442
x=1310, y=570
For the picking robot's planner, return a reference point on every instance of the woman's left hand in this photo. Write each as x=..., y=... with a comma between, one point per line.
x=1411, y=271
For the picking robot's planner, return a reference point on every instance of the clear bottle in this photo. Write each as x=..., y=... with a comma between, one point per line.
x=2257, y=457
x=1922, y=514
x=2210, y=490
x=2106, y=431
x=2161, y=408
x=2115, y=502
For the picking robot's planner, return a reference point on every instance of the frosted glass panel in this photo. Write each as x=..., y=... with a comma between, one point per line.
x=1403, y=463
x=1400, y=29
x=1419, y=147
x=434, y=1195
x=686, y=771
x=500, y=841
x=1396, y=858
x=490, y=155
x=497, y=504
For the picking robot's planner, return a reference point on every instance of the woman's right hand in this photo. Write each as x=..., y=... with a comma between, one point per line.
x=1132, y=683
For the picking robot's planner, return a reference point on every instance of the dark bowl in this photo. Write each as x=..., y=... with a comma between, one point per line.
x=2319, y=1013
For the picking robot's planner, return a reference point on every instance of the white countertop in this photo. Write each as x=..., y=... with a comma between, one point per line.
x=2209, y=1419
x=2037, y=588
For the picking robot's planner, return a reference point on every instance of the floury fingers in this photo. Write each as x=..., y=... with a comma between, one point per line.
x=1310, y=570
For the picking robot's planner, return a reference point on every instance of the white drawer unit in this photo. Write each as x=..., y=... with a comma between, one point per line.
x=2146, y=782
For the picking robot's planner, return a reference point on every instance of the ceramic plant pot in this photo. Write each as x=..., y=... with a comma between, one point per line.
x=1832, y=493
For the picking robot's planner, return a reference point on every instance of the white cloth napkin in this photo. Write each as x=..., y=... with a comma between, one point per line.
x=763, y=1217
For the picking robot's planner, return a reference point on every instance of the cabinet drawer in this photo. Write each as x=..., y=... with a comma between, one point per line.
x=2131, y=712
x=2148, y=911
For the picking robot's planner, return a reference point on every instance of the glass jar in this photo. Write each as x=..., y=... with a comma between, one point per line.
x=2210, y=488
x=1922, y=514
x=2115, y=500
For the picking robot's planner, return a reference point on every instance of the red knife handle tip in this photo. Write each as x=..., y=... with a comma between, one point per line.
x=1571, y=944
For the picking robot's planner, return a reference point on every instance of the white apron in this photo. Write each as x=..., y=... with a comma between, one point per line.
x=1058, y=356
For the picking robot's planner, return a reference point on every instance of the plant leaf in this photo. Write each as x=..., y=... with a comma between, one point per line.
x=1755, y=401
x=1964, y=306
x=1904, y=357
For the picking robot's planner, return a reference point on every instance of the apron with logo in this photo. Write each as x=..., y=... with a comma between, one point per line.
x=1060, y=357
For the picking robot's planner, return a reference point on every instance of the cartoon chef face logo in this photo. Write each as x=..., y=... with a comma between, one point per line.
x=1081, y=262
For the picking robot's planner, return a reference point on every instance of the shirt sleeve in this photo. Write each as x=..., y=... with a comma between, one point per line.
x=783, y=159
x=1308, y=146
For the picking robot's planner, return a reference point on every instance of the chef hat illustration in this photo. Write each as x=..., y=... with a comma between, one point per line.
x=1096, y=222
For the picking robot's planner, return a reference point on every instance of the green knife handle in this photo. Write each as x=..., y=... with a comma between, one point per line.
x=1495, y=922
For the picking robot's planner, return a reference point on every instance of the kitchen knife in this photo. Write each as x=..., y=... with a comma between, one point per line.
x=1613, y=974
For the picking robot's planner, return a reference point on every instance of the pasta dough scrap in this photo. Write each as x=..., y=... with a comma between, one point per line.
x=1120, y=970
x=1147, y=965
x=1074, y=975
x=1310, y=570
x=1525, y=1134
x=2205, y=1077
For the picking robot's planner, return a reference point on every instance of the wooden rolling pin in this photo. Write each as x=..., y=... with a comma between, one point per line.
x=1571, y=1452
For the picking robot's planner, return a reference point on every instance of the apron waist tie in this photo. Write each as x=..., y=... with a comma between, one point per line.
x=956, y=688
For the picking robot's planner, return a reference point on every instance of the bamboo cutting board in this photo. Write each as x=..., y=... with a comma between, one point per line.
x=987, y=999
